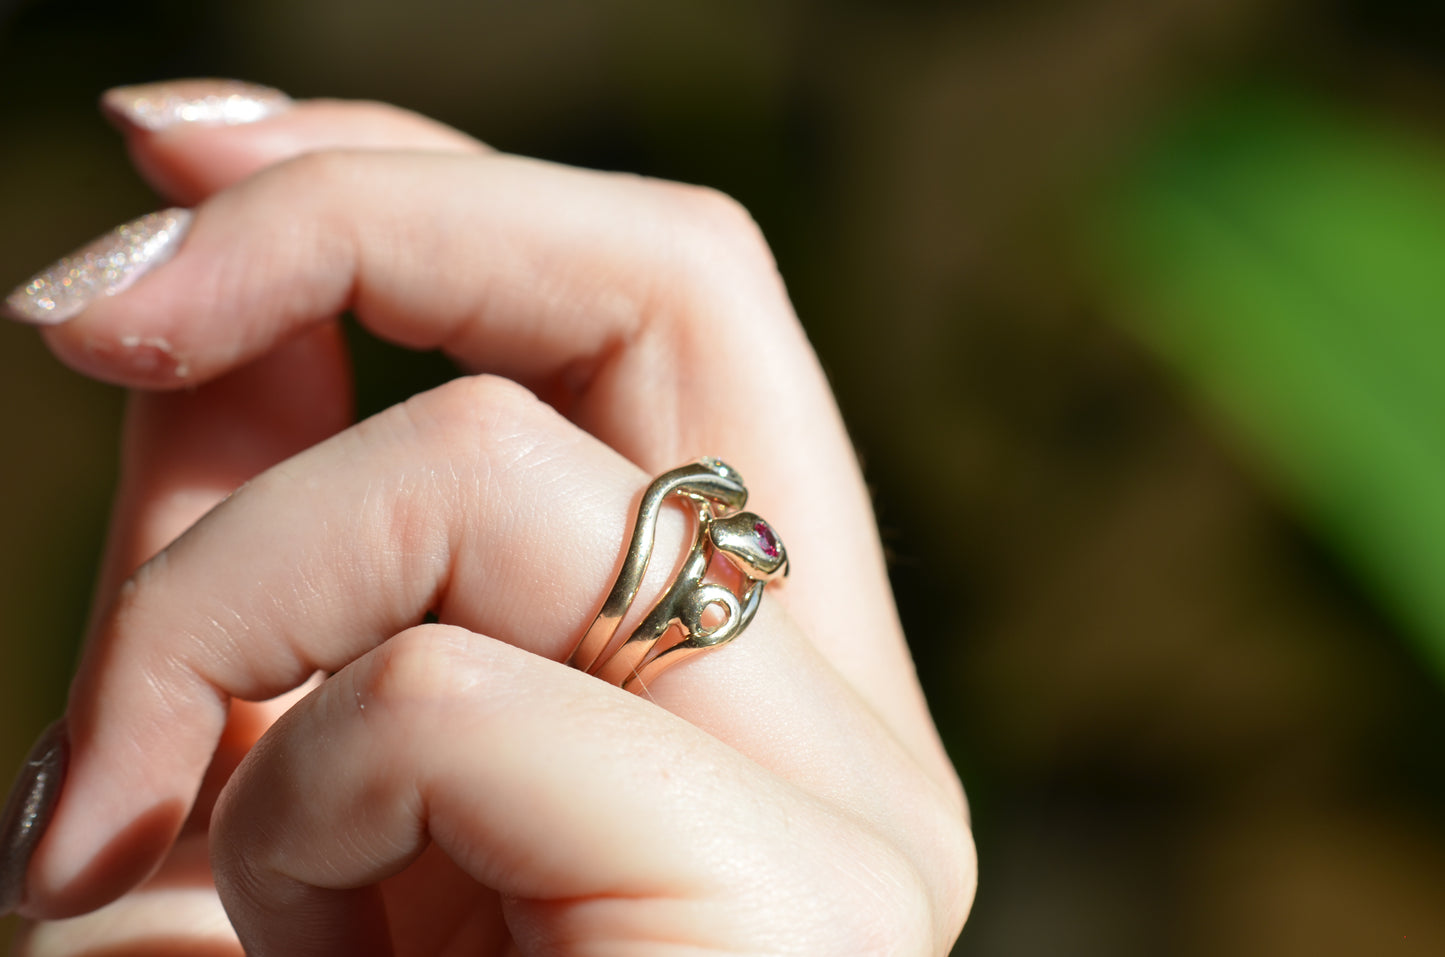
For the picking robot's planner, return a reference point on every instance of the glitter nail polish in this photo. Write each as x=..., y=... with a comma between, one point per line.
x=28, y=811
x=105, y=267
x=160, y=106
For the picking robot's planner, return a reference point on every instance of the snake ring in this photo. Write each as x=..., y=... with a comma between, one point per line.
x=703, y=614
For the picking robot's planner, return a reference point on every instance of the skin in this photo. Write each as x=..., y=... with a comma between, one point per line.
x=452, y=788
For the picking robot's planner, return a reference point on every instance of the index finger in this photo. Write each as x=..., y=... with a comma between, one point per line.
x=650, y=313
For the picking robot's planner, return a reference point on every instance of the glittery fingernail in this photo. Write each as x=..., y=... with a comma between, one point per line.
x=29, y=809
x=105, y=267
x=160, y=106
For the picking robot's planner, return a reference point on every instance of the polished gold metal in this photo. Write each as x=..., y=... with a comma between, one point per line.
x=716, y=494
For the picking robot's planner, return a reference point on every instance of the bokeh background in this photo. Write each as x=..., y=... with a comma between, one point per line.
x=1136, y=309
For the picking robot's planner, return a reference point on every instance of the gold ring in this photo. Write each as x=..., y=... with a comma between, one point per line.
x=716, y=494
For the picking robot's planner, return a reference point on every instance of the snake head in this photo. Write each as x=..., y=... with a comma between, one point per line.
x=710, y=480
x=751, y=544
x=720, y=468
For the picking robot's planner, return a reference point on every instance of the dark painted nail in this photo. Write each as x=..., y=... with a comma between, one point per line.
x=27, y=812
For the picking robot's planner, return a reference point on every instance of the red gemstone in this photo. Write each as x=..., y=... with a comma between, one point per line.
x=766, y=538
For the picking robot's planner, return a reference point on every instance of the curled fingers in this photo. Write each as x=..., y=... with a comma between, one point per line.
x=475, y=502
x=598, y=818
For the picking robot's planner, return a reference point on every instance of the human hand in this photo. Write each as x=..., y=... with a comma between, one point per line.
x=451, y=786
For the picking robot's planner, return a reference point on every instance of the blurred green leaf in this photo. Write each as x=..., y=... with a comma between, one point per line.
x=1291, y=262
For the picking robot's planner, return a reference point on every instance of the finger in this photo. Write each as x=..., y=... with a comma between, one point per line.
x=680, y=845
x=474, y=501
x=651, y=313
x=184, y=453
x=187, y=160
x=175, y=913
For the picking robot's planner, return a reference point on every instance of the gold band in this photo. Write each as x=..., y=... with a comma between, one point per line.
x=717, y=494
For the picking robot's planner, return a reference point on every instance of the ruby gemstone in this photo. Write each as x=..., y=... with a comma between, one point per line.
x=766, y=538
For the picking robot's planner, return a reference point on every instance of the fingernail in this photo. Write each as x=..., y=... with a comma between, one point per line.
x=107, y=266
x=27, y=812
x=160, y=106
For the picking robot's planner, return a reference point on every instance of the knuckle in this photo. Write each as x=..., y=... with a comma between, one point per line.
x=924, y=880
x=719, y=222
x=958, y=883
x=883, y=908
x=477, y=406
x=474, y=428
x=950, y=869
x=429, y=666
x=723, y=271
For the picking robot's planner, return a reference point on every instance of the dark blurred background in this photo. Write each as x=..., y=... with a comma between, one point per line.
x=1134, y=308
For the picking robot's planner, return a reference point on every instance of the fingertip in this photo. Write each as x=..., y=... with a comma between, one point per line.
x=191, y=102
x=193, y=147
x=133, y=360
x=167, y=331
x=132, y=775
x=29, y=809
x=71, y=876
x=118, y=814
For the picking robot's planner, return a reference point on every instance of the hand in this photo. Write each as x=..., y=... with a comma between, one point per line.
x=451, y=786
